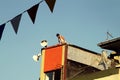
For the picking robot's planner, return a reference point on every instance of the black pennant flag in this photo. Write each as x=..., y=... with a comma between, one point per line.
x=1, y=30
x=51, y=4
x=32, y=12
x=15, y=22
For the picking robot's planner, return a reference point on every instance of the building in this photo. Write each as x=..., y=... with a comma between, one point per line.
x=71, y=62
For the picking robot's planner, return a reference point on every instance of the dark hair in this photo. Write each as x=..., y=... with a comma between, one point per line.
x=57, y=34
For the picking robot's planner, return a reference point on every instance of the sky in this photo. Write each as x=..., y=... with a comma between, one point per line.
x=82, y=22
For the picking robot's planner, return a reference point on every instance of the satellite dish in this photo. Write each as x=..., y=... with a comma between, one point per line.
x=44, y=43
x=36, y=58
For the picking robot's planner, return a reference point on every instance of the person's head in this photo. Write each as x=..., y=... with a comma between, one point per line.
x=57, y=34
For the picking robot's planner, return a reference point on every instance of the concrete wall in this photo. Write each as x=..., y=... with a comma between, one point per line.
x=85, y=57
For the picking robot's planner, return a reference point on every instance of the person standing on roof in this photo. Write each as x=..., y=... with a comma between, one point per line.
x=61, y=39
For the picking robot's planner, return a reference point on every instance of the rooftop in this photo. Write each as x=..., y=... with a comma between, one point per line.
x=113, y=44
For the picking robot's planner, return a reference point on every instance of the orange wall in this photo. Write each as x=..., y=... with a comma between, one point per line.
x=53, y=59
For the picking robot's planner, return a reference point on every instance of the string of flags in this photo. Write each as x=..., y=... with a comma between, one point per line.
x=32, y=14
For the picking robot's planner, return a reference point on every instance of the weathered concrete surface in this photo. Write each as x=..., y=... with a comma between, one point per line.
x=85, y=56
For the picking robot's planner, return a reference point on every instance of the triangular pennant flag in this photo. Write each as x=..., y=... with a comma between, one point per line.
x=1, y=30
x=32, y=12
x=15, y=22
x=51, y=4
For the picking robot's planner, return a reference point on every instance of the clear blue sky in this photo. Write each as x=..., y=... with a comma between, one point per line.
x=82, y=22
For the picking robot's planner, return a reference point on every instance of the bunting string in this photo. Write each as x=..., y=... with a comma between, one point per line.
x=32, y=11
x=24, y=11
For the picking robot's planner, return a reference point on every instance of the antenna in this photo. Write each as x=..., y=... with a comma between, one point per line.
x=109, y=34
